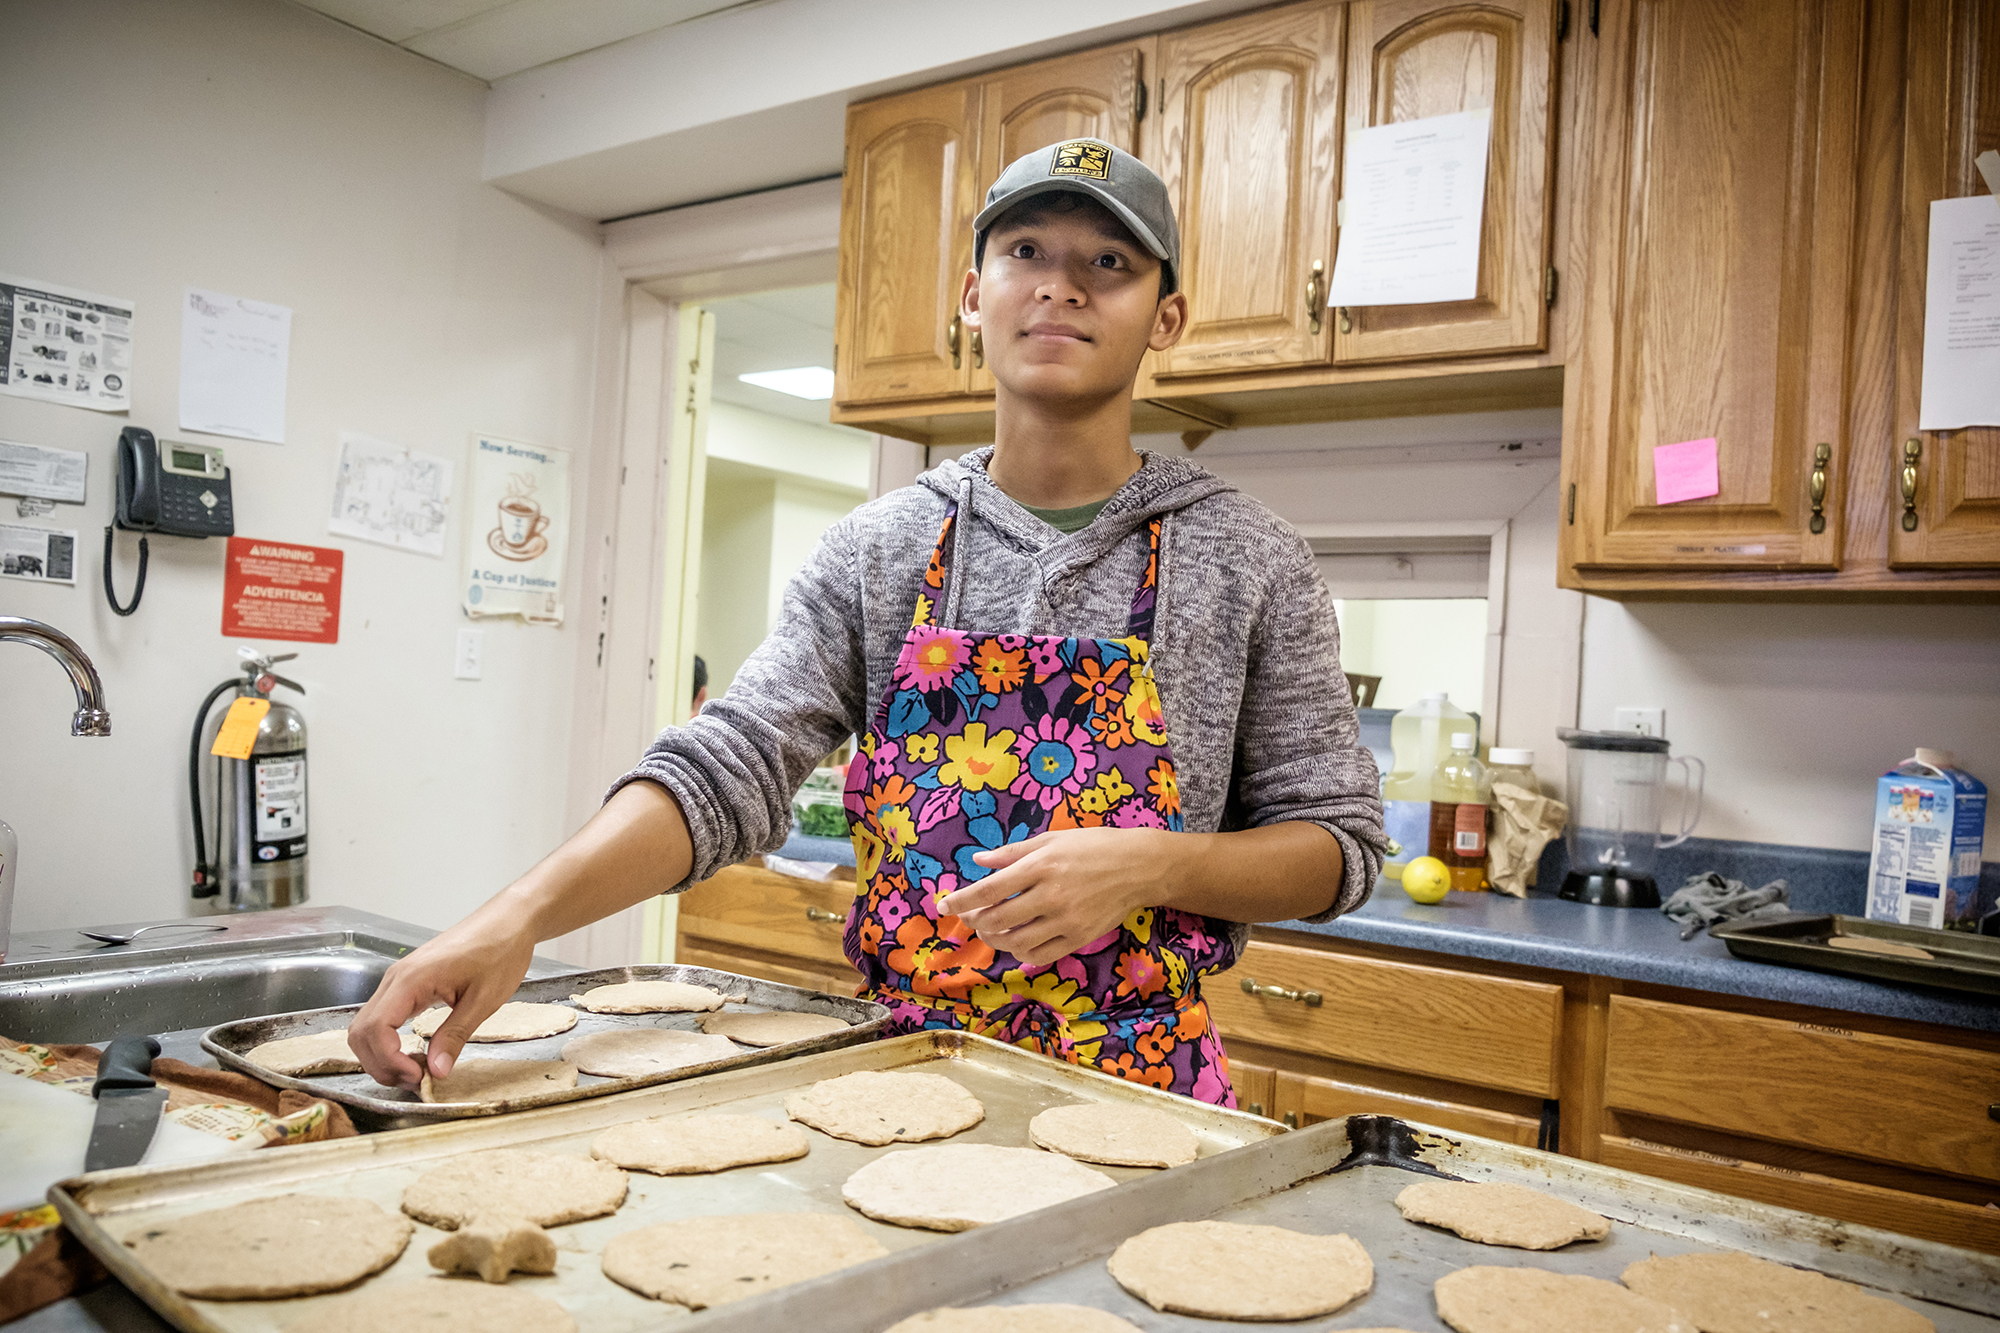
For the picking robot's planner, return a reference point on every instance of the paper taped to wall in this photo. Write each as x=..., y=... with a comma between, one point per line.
x=65, y=346
x=41, y=555
x=516, y=530
x=44, y=473
x=234, y=354
x=1961, y=384
x=385, y=493
x=1415, y=193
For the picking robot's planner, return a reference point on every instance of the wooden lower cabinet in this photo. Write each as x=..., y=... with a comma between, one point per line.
x=1302, y=1099
x=756, y=922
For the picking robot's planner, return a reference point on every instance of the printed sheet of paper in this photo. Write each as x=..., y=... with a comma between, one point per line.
x=1962, y=316
x=516, y=529
x=46, y=474
x=44, y=555
x=385, y=493
x=234, y=354
x=1414, y=195
x=65, y=346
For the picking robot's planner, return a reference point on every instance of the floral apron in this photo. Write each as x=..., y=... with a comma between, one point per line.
x=986, y=739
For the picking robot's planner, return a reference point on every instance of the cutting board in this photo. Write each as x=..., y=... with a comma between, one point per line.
x=45, y=1130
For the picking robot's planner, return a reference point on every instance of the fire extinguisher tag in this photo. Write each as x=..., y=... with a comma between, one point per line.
x=237, y=735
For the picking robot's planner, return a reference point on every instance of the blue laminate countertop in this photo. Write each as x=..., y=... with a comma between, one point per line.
x=1635, y=944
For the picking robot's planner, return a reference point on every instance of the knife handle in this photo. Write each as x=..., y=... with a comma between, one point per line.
x=126, y=1063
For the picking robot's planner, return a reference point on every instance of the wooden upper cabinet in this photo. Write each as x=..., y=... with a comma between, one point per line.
x=1090, y=95
x=905, y=244
x=1248, y=151
x=1411, y=59
x=1951, y=517
x=1717, y=302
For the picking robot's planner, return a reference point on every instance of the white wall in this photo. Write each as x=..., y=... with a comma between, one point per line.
x=258, y=150
x=735, y=569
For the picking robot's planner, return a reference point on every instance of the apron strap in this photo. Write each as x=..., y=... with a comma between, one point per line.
x=1145, y=601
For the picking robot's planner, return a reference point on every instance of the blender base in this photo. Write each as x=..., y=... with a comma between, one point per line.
x=1609, y=889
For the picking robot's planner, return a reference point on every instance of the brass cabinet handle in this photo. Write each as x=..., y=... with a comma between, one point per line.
x=1913, y=452
x=1346, y=320
x=1310, y=998
x=951, y=331
x=1822, y=455
x=821, y=914
x=1993, y=1111
x=1291, y=1120
x=978, y=351
x=1257, y=1108
x=1316, y=295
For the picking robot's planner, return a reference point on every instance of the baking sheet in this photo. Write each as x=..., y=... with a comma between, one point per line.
x=1013, y=1084
x=377, y=1107
x=1960, y=961
x=1343, y=1176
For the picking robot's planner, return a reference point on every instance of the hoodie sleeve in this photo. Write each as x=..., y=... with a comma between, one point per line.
x=735, y=767
x=1298, y=743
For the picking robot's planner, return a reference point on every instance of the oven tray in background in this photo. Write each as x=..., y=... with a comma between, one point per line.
x=377, y=1107
x=1013, y=1084
x=1964, y=961
x=1343, y=1176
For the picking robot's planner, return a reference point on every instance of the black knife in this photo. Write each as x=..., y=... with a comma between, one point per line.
x=128, y=1104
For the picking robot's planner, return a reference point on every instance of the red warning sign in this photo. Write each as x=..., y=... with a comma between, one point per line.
x=274, y=590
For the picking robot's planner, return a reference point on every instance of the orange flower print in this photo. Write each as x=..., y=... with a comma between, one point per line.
x=1165, y=787
x=1191, y=1023
x=1140, y=974
x=1112, y=729
x=934, y=574
x=871, y=936
x=1155, y=1044
x=1128, y=1067
x=998, y=669
x=1099, y=686
x=888, y=806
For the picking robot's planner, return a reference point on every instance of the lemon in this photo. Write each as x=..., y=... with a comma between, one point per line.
x=1426, y=880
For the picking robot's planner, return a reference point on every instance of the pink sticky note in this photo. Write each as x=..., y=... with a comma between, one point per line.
x=1685, y=471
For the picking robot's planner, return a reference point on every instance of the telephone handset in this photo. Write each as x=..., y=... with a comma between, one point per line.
x=181, y=490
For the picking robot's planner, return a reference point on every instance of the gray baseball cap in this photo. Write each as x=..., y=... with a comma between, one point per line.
x=1121, y=182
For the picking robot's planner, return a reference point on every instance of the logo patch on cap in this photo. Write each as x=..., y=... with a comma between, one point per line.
x=1082, y=157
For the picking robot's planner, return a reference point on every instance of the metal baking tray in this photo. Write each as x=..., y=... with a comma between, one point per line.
x=1013, y=1084
x=1343, y=1176
x=377, y=1107
x=1961, y=961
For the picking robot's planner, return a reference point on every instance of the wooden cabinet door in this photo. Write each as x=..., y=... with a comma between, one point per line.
x=1721, y=237
x=905, y=243
x=1090, y=95
x=1304, y=1099
x=1410, y=59
x=1952, y=114
x=1248, y=122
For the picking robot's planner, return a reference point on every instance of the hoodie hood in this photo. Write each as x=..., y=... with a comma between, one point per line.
x=1162, y=485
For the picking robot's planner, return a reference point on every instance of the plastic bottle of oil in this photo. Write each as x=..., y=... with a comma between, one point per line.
x=1421, y=736
x=1460, y=792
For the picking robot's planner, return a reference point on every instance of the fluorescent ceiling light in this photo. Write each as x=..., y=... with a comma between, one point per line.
x=814, y=382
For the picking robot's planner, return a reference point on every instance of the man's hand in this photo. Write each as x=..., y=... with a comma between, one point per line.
x=1052, y=894
x=473, y=967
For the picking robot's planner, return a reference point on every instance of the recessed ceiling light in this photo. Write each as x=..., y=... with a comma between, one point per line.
x=814, y=382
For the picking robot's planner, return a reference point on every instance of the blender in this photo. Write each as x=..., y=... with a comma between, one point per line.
x=1615, y=783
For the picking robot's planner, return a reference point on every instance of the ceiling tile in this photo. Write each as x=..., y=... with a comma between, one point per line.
x=512, y=37
x=400, y=20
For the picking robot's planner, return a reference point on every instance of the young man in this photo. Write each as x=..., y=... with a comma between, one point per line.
x=1015, y=639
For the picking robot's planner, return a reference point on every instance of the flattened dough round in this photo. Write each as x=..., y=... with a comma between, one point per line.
x=1734, y=1293
x=699, y=1143
x=495, y=1248
x=1225, y=1270
x=1869, y=944
x=1498, y=1213
x=876, y=1107
x=477, y=1080
x=317, y=1053
x=1014, y=1319
x=958, y=1187
x=1114, y=1134
x=438, y=1305
x=516, y=1020
x=547, y=1189
x=772, y=1029
x=637, y=1052
x=1488, y=1299
x=650, y=997
x=293, y=1245
x=704, y=1261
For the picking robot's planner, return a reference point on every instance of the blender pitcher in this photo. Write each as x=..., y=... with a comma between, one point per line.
x=1615, y=783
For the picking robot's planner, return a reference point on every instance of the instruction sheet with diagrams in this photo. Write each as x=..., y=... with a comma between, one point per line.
x=66, y=346
x=41, y=555
x=1961, y=385
x=386, y=493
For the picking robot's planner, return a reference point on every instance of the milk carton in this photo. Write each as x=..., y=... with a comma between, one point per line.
x=1930, y=824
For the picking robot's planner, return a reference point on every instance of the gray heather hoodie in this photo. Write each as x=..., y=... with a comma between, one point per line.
x=1245, y=653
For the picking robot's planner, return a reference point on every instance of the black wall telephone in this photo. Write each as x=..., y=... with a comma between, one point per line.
x=184, y=494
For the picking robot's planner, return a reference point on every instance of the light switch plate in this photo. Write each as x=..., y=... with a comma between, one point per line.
x=471, y=654
x=1645, y=721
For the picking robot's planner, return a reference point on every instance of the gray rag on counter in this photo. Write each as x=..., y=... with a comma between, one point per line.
x=1706, y=899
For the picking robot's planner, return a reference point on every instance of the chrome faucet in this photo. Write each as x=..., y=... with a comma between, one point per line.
x=90, y=719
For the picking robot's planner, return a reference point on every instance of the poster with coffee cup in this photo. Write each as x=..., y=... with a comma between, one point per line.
x=519, y=506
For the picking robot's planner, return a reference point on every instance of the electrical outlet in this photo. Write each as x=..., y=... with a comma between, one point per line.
x=1645, y=721
x=471, y=654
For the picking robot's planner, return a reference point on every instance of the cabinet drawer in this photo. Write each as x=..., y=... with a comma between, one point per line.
x=842, y=981
x=1301, y=1099
x=753, y=908
x=1889, y=1099
x=1491, y=1032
